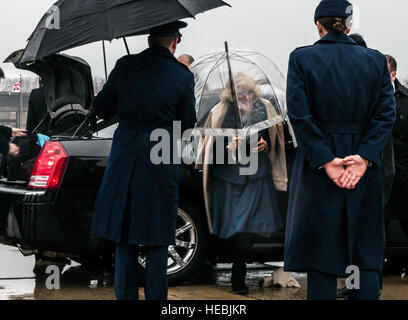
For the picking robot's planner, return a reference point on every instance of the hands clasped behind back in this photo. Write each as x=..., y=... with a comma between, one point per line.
x=346, y=173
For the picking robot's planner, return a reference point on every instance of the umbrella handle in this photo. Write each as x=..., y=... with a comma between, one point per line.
x=126, y=45
x=104, y=60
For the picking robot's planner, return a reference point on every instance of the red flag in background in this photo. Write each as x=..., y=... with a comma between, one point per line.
x=16, y=87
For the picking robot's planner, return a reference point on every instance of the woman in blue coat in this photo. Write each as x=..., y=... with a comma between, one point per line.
x=240, y=206
x=341, y=105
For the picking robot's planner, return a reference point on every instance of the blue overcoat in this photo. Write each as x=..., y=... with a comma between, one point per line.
x=146, y=91
x=340, y=103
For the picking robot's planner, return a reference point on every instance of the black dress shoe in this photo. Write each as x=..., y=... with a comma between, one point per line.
x=342, y=293
x=240, y=290
x=238, y=278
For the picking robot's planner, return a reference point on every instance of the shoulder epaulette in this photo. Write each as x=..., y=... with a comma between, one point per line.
x=184, y=66
x=298, y=48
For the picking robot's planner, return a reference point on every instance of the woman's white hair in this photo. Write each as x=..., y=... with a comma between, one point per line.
x=242, y=83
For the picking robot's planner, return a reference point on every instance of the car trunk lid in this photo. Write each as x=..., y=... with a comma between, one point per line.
x=68, y=93
x=67, y=80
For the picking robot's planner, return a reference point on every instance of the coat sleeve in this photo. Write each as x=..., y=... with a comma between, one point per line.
x=202, y=143
x=5, y=135
x=310, y=138
x=105, y=103
x=186, y=112
x=380, y=123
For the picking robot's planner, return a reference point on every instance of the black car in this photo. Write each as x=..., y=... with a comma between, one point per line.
x=47, y=195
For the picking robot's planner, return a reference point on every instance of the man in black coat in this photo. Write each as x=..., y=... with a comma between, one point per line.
x=398, y=205
x=138, y=198
x=388, y=167
x=37, y=108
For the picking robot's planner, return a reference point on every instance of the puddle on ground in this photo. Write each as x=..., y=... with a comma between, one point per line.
x=25, y=278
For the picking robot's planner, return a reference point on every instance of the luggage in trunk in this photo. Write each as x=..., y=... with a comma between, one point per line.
x=20, y=167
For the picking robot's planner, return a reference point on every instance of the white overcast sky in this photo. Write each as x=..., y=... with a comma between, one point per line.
x=271, y=27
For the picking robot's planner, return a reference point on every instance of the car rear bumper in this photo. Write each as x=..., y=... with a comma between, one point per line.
x=13, y=212
x=38, y=220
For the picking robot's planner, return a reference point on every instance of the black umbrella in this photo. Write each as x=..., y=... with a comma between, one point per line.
x=72, y=23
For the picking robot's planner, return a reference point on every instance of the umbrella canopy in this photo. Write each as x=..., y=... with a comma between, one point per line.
x=72, y=23
x=247, y=77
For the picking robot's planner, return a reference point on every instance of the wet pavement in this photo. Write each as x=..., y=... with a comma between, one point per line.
x=25, y=278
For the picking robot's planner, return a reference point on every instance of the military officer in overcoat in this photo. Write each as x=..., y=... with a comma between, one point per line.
x=138, y=200
x=341, y=105
x=398, y=206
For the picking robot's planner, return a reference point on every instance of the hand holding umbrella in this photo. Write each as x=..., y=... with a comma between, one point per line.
x=262, y=146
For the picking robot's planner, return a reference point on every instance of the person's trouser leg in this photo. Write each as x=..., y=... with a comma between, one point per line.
x=369, y=287
x=238, y=275
x=404, y=226
x=240, y=244
x=321, y=286
x=156, y=287
x=386, y=229
x=126, y=275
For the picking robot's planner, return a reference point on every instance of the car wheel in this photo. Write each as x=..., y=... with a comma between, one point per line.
x=186, y=257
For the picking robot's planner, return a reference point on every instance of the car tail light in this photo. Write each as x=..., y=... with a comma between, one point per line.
x=50, y=167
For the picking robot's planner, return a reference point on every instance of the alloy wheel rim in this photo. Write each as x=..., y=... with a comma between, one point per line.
x=181, y=254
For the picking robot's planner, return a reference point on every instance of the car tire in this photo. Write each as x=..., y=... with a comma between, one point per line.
x=187, y=256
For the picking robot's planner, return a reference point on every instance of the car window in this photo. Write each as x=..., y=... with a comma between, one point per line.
x=106, y=133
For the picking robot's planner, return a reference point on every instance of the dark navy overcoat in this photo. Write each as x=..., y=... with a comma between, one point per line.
x=340, y=103
x=147, y=91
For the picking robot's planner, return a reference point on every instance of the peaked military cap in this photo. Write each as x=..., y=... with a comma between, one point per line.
x=333, y=8
x=171, y=29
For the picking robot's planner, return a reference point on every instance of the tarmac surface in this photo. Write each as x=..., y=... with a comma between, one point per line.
x=25, y=278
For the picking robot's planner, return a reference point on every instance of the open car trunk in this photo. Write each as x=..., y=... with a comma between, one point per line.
x=68, y=94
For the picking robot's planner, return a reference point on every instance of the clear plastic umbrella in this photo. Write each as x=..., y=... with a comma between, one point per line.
x=255, y=101
x=256, y=82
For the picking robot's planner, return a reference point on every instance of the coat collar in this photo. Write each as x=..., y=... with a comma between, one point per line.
x=400, y=88
x=160, y=50
x=333, y=37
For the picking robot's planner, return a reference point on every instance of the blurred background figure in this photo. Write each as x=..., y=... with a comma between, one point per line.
x=37, y=109
x=242, y=206
x=186, y=59
x=358, y=38
x=388, y=167
x=398, y=207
